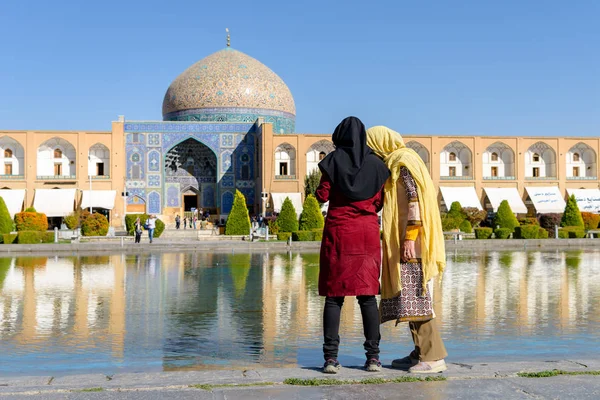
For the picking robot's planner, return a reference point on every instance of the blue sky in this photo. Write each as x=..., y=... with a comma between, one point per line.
x=422, y=67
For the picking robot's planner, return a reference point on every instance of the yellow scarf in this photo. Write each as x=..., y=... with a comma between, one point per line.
x=389, y=146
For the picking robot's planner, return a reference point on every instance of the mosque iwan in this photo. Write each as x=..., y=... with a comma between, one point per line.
x=229, y=124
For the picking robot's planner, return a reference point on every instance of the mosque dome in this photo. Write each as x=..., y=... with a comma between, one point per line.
x=230, y=86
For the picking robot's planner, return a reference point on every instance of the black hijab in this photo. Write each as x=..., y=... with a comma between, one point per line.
x=353, y=167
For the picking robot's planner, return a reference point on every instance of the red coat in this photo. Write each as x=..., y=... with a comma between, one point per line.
x=351, y=249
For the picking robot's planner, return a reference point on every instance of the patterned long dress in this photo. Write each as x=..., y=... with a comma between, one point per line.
x=413, y=303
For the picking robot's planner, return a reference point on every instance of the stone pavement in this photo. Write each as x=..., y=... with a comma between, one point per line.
x=463, y=381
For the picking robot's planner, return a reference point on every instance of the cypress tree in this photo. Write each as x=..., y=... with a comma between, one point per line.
x=6, y=222
x=287, y=220
x=571, y=216
x=311, y=217
x=238, y=221
x=505, y=218
x=311, y=182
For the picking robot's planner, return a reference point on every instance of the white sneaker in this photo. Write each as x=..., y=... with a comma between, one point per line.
x=428, y=367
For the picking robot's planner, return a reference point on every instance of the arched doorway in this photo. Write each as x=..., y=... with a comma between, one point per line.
x=191, y=177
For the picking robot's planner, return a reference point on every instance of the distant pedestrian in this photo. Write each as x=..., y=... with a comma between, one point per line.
x=194, y=221
x=184, y=222
x=137, y=228
x=177, y=221
x=151, y=223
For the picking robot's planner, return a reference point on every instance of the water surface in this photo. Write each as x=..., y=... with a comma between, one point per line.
x=178, y=311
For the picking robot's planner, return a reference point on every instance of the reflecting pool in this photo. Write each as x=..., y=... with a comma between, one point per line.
x=178, y=311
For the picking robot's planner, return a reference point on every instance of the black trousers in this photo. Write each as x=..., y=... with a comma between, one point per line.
x=331, y=326
x=138, y=236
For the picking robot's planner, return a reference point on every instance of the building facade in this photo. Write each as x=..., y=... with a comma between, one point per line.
x=229, y=124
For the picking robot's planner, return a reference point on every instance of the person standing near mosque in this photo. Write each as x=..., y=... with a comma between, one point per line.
x=413, y=250
x=352, y=181
x=151, y=222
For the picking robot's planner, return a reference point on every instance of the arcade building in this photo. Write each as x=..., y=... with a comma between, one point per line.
x=229, y=123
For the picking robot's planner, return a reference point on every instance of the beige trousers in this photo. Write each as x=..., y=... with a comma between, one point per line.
x=428, y=342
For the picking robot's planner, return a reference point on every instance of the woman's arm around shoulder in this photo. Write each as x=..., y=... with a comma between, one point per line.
x=322, y=192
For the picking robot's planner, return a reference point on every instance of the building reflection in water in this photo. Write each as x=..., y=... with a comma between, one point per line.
x=217, y=310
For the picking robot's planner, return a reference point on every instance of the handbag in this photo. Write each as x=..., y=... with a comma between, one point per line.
x=146, y=226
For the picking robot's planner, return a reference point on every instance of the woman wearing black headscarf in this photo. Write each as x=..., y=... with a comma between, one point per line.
x=352, y=182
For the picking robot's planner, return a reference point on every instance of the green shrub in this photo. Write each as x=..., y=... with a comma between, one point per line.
x=502, y=233
x=456, y=211
x=311, y=182
x=72, y=220
x=311, y=217
x=571, y=216
x=6, y=223
x=465, y=227
x=273, y=227
x=505, y=218
x=526, y=232
x=574, y=232
x=160, y=227
x=29, y=237
x=590, y=220
x=47, y=237
x=30, y=209
x=238, y=221
x=9, y=238
x=483, y=233
x=318, y=234
x=284, y=236
x=31, y=221
x=287, y=218
x=529, y=221
x=542, y=233
x=450, y=223
x=94, y=225
x=563, y=234
x=303, y=236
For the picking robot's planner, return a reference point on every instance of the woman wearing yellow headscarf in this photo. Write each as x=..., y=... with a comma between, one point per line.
x=413, y=249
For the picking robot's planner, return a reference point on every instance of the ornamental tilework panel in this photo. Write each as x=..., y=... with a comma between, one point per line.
x=227, y=140
x=208, y=196
x=226, y=162
x=173, y=195
x=185, y=127
x=171, y=140
x=136, y=156
x=154, y=181
x=244, y=184
x=226, y=202
x=135, y=184
x=248, y=194
x=281, y=124
x=227, y=181
x=153, y=203
x=154, y=161
x=136, y=196
x=153, y=140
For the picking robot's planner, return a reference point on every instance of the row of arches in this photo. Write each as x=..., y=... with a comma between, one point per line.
x=498, y=161
x=285, y=158
x=56, y=157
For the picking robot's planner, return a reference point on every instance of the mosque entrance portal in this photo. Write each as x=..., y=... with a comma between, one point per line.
x=191, y=176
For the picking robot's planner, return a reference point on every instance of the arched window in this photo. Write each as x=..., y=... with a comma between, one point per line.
x=8, y=153
x=315, y=153
x=452, y=157
x=535, y=157
x=575, y=157
x=57, y=153
x=494, y=156
x=322, y=155
x=285, y=160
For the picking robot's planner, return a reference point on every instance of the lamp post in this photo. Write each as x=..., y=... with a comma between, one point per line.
x=90, y=174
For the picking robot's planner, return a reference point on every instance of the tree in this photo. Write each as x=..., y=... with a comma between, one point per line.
x=311, y=217
x=95, y=224
x=456, y=211
x=238, y=221
x=571, y=216
x=311, y=182
x=6, y=223
x=474, y=215
x=287, y=220
x=505, y=218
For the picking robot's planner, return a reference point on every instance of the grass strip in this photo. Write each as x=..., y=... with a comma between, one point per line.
x=88, y=390
x=209, y=387
x=554, y=372
x=366, y=381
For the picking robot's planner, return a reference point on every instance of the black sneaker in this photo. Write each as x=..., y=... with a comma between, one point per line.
x=373, y=365
x=331, y=366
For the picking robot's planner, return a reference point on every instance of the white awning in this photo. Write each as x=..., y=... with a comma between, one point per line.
x=546, y=199
x=497, y=195
x=13, y=199
x=54, y=202
x=465, y=195
x=100, y=199
x=279, y=198
x=588, y=200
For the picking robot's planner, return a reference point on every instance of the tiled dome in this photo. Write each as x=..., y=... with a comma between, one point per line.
x=224, y=80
